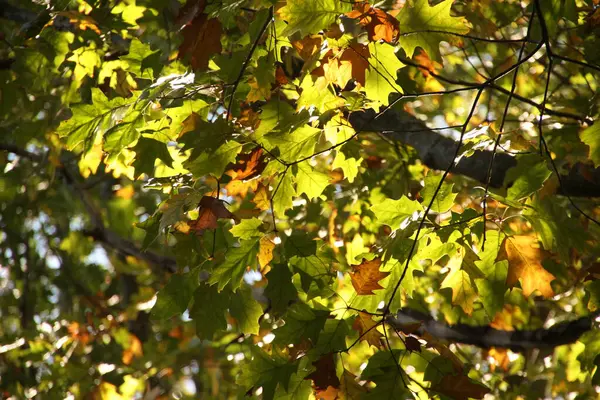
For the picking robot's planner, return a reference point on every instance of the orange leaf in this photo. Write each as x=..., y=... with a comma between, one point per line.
x=211, y=209
x=460, y=387
x=366, y=327
x=427, y=65
x=525, y=265
x=308, y=46
x=500, y=358
x=134, y=350
x=378, y=24
x=201, y=38
x=248, y=166
x=366, y=276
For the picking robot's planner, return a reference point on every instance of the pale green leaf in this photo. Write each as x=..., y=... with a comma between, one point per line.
x=247, y=228
x=310, y=181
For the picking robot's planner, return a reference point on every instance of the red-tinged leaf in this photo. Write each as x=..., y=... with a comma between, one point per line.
x=367, y=328
x=412, y=344
x=248, y=166
x=378, y=24
x=325, y=374
x=211, y=209
x=460, y=387
x=201, y=36
x=366, y=277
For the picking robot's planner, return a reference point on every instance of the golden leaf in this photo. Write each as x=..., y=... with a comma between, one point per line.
x=525, y=265
x=366, y=327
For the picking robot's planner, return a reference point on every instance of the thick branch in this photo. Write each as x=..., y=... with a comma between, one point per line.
x=436, y=151
x=487, y=337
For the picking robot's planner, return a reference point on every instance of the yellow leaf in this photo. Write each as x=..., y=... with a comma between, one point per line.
x=265, y=251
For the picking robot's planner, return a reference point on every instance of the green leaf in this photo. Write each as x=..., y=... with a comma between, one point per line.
x=295, y=145
x=493, y=287
x=394, y=212
x=425, y=27
x=246, y=311
x=140, y=60
x=527, y=176
x=463, y=289
x=208, y=311
x=237, y=260
x=350, y=166
x=381, y=76
x=444, y=199
x=283, y=199
x=280, y=290
x=310, y=181
x=301, y=322
x=247, y=228
x=214, y=163
x=267, y=371
x=146, y=152
x=591, y=137
x=311, y=16
x=174, y=298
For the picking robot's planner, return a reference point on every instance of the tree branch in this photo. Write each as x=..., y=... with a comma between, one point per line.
x=436, y=151
x=99, y=231
x=487, y=337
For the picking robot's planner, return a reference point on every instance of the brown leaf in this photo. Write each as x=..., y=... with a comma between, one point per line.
x=525, y=265
x=412, y=344
x=367, y=328
x=201, y=37
x=211, y=209
x=366, y=277
x=330, y=394
x=325, y=374
x=378, y=24
x=460, y=387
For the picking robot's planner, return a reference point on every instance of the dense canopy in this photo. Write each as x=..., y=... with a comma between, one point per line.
x=299, y=199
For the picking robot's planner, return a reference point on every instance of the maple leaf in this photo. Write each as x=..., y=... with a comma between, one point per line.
x=425, y=26
x=427, y=65
x=355, y=57
x=525, y=265
x=201, y=37
x=366, y=277
x=248, y=166
x=379, y=24
x=265, y=251
x=367, y=328
x=325, y=374
x=261, y=197
x=412, y=344
x=211, y=209
x=460, y=387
